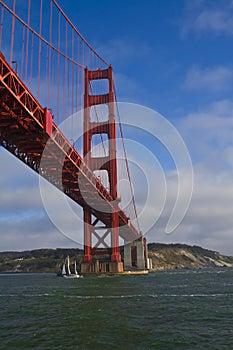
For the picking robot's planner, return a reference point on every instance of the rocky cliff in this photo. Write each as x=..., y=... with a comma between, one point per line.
x=182, y=256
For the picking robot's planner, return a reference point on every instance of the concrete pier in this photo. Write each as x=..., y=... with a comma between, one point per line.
x=102, y=267
x=135, y=261
x=136, y=255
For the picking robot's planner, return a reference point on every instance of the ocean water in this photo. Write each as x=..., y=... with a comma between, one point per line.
x=164, y=310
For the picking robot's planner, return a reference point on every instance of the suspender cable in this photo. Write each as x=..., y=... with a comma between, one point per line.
x=39, y=36
x=84, y=56
x=47, y=74
x=97, y=118
x=51, y=23
x=31, y=61
x=27, y=40
x=1, y=26
x=23, y=52
x=126, y=161
x=58, y=66
x=39, y=51
x=12, y=33
x=65, y=74
x=72, y=82
x=79, y=34
x=49, y=48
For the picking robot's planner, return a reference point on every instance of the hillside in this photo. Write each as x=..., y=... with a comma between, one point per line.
x=164, y=257
x=39, y=260
x=182, y=256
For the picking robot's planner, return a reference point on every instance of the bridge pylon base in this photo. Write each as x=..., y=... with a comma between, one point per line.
x=136, y=255
x=116, y=267
x=87, y=268
x=97, y=268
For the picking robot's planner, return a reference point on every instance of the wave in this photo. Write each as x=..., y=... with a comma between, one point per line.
x=123, y=296
x=147, y=296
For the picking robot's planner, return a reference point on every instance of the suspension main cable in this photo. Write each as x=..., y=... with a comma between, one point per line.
x=79, y=34
x=39, y=36
x=126, y=160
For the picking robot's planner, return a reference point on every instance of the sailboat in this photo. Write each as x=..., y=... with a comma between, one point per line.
x=66, y=269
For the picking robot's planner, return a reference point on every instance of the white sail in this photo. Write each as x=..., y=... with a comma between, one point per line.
x=68, y=265
x=66, y=273
x=64, y=268
x=75, y=268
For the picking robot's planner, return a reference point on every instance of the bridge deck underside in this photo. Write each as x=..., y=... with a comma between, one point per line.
x=22, y=133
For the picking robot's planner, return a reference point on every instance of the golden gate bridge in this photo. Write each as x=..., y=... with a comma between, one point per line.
x=48, y=72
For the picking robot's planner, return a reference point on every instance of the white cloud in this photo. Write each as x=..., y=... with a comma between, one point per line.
x=209, y=219
x=219, y=21
x=208, y=222
x=209, y=16
x=130, y=90
x=124, y=50
x=24, y=223
x=210, y=79
x=208, y=133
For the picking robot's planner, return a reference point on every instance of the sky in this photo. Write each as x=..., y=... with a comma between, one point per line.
x=171, y=57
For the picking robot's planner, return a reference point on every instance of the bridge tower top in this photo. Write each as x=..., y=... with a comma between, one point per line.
x=107, y=162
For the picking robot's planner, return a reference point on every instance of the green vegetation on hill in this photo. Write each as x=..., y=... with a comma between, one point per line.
x=164, y=257
x=39, y=260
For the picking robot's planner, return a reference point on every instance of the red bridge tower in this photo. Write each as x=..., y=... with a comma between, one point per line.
x=108, y=163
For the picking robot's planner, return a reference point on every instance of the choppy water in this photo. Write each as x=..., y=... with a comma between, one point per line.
x=164, y=310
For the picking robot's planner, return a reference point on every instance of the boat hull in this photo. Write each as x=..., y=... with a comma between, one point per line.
x=70, y=276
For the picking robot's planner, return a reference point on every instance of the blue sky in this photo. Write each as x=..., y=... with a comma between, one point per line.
x=162, y=48
x=174, y=57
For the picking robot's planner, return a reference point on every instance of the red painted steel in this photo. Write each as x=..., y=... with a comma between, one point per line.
x=48, y=122
x=107, y=162
x=24, y=131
